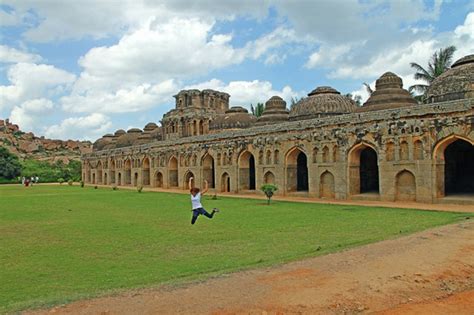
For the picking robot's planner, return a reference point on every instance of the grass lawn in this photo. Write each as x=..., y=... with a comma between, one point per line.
x=60, y=243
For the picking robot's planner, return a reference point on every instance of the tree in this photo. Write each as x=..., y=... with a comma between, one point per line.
x=295, y=100
x=368, y=88
x=356, y=98
x=257, y=110
x=10, y=166
x=440, y=62
x=269, y=190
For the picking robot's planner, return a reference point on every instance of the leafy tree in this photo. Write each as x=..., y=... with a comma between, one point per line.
x=368, y=88
x=257, y=110
x=10, y=166
x=269, y=190
x=295, y=100
x=356, y=98
x=440, y=62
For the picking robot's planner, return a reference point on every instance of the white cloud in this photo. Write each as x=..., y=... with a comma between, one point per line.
x=134, y=99
x=31, y=81
x=28, y=115
x=12, y=55
x=87, y=127
x=9, y=18
x=244, y=93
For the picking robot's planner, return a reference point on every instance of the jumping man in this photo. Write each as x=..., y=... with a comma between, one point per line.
x=196, y=201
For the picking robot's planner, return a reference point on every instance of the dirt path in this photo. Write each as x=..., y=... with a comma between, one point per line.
x=431, y=272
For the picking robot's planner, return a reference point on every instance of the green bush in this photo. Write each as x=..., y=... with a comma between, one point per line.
x=82, y=184
x=70, y=182
x=139, y=189
x=10, y=167
x=51, y=173
x=114, y=188
x=269, y=190
x=61, y=180
x=96, y=187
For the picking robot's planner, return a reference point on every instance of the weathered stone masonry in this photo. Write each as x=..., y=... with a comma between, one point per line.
x=325, y=147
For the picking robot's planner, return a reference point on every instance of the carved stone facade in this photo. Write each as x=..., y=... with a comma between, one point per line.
x=390, y=149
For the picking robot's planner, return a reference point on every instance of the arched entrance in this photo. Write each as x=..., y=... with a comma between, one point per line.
x=208, y=170
x=105, y=179
x=327, y=186
x=459, y=168
x=173, y=172
x=99, y=173
x=112, y=172
x=247, y=171
x=119, y=179
x=159, y=179
x=269, y=178
x=93, y=178
x=405, y=186
x=225, y=183
x=128, y=172
x=363, y=170
x=187, y=176
x=146, y=172
x=135, y=179
x=297, y=171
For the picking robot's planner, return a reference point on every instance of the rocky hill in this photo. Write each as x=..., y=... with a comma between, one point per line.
x=27, y=145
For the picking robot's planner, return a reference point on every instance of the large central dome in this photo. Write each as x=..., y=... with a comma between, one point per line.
x=323, y=101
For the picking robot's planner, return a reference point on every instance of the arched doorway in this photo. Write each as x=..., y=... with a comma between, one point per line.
x=99, y=173
x=135, y=179
x=119, y=179
x=146, y=172
x=459, y=168
x=297, y=171
x=128, y=172
x=93, y=178
x=327, y=185
x=173, y=172
x=269, y=178
x=188, y=176
x=159, y=179
x=363, y=170
x=405, y=186
x=208, y=170
x=105, y=179
x=225, y=183
x=112, y=172
x=247, y=171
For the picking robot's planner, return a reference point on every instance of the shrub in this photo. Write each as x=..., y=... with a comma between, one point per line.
x=95, y=187
x=70, y=182
x=60, y=180
x=10, y=167
x=82, y=184
x=269, y=190
x=139, y=189
x=114, y=188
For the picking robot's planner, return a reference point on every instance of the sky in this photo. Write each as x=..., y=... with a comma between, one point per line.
x=81, y=69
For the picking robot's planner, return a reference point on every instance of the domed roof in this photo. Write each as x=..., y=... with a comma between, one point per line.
x=236, y=117
x=456, y=83
x=389, y=93
x=150, y=127
x=103, y=143
x=134, y=130
x=275, y=111
x=129, y=138
x=322, y=101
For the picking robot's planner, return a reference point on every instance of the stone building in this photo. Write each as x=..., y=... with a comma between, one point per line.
x=391, y=148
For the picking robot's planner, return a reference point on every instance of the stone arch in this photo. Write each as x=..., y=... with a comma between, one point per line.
x=297, y=170
x=363, y=169
x=186, y=178
x=225, y=183
x=315, y=155
x=128, y=172
x=404, y=152
x=325, y=154
x=99, y=171
x=335, y=153
x=276, y=157
x=173, y=172
x=405, y=186
x=119, y=179
x=269, y=157
x=247, y=171
x=448, y=163
x=112, y=167
x=208, y=171
x=159, y=179
x=418, y=150
x=260, y=157
x=146, y=171
x=93, y=178
x=269, y=178
x=135, y=179
x=390, y=152
x=327, y=185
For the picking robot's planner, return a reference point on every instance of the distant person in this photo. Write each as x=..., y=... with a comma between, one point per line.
x=196, y=201
x=32, y=180
x=27, y=182
x=37, y=180
x=23, y=180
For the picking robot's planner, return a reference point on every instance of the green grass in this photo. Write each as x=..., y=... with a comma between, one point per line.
x=60, y=243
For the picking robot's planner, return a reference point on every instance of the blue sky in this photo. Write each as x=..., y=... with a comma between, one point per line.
x=78, y=70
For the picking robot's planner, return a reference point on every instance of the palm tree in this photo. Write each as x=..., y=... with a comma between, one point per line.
x=440, y=62
x=368, y=88
x=257, y=110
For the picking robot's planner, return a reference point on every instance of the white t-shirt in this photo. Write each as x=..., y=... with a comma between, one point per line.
x=196, y=201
